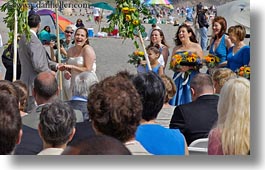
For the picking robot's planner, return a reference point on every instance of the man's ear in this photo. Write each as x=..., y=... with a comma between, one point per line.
x=192, y=91
x=19, y=136
x=72, y=135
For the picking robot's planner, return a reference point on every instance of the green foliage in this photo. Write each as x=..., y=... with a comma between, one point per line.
x=127, y=17
x=22, y=16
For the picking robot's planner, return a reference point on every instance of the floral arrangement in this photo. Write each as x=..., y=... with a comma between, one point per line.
x=184, y=59
x=211, y=60
x=127, y=18
x=136, y=57
x=244, y=71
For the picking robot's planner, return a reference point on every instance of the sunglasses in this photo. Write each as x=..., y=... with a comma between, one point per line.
x=69, y=32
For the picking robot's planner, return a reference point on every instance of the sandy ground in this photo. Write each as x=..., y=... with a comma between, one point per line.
x=112, y=53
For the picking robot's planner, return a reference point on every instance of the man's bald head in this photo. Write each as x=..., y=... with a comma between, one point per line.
x=45, y=85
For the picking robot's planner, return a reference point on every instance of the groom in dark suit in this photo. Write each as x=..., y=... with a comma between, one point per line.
x=33, y=57
x=196, y=118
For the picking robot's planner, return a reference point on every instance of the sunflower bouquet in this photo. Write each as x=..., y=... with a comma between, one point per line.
x=211, y=60
x=136, y=57
x=244, y=71
x=184, y=59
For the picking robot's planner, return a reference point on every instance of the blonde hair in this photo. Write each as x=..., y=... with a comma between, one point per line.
x=234, y=116
x=170, y=87
x=220, y=76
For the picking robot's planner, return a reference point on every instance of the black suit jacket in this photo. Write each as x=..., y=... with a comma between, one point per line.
x=197, y=118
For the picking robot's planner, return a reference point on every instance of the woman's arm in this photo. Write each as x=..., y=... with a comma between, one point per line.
x=165, y=54
x=228, y=42
x=89, y=59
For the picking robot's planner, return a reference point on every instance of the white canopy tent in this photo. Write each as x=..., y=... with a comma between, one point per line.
x=236, y=12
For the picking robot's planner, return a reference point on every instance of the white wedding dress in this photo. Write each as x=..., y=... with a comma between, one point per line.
x=68, y=84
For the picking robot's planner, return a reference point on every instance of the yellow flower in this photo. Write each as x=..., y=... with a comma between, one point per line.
x=247, y=70
x=141, y=53
x=132, y=9
x=128, y=17
x=135, y=22
x=125, y=10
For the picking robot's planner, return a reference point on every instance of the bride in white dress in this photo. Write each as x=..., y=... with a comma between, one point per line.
x=81, y=57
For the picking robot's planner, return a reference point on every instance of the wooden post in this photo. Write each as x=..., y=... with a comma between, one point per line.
x=145, y=53
x=58, y=49
x=15, y=48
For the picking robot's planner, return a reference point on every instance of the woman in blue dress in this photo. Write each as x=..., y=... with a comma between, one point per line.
x=185, y=41
x=239, y=54
x=220, y=43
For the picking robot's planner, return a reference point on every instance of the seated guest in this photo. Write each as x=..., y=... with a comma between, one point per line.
x=167, y=110
x=10, y=123
x=195, y=119
x=115, y=110
x=231, y=136
x=23, y=96
x=98, y=145
x=56, y=127
x=220, y=76
x=80, y=92
x=45, y=91
x=155, y=138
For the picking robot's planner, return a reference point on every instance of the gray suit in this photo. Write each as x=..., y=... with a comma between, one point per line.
x=33, y=60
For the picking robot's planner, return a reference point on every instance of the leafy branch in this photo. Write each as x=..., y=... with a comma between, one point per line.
x=21, y=6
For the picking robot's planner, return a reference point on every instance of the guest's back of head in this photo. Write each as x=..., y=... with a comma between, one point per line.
x=9, y=88
x=45, y=85
x=23, y=94
x=33, y=20
x=220, y=76
x=10, y=123
x=115, y=107
x=98, y=145
x=234, y=116
x=83, y=81
x=57, y=123
x=170, y=87
x=201, y=84
x=152, y=91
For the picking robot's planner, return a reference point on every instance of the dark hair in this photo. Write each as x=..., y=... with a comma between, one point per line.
x=97, y=145
x=200, y=82
x=33, y=20
x=155, y=49
x=45, y=85
x=163, y=41
x=10, y=123
x=115, y=107
x=57, y=121
x=9, y=88
x=22, y=92
x=83, y=28
x=46, y=28
x=190, y=30
x=152, y=91
x=223, y=23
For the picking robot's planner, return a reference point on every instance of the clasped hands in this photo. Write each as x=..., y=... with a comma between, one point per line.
x=63, y=67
